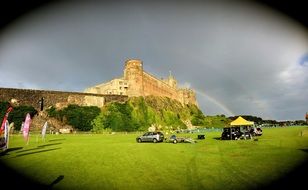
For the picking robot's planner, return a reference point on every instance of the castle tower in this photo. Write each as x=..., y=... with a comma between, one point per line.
x=187, y=96
x=306, y=117
x=133, y=73
x=171, y=81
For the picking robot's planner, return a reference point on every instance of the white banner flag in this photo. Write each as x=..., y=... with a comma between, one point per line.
x=26, y=128
x=44, y=130
x=6, y=135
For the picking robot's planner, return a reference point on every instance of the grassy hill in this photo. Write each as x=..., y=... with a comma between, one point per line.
x=139, y=113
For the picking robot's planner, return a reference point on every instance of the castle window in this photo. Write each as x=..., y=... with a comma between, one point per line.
x=120, y=88
x=120, y=82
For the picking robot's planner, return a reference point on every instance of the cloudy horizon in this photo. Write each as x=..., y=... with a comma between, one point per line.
x=241, y=58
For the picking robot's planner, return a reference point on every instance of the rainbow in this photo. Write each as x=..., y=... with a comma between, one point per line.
x=216, y=102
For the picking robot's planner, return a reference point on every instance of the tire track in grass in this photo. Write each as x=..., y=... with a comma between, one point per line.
x=205, y=169
x=239, y=179
x=193, y=178
x=216, y=177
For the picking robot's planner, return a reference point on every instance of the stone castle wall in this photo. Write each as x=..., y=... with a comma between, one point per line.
x=58, y=99
x=136, y=82
x=156, y=87
x=141, y=83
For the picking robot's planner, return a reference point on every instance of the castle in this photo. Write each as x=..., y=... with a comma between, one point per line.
x=137, y=82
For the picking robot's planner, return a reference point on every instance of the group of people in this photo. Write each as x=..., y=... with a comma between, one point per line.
x=235, y=133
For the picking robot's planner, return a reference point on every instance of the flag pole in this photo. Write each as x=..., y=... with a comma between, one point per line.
x=44, y=128
x=27, y=140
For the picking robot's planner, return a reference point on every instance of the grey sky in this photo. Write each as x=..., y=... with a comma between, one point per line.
x=241, y=58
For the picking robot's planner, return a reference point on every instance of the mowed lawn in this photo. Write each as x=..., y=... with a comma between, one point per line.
x=101, y=161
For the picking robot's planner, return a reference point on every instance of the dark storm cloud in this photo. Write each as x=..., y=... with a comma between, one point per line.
x=241, y=58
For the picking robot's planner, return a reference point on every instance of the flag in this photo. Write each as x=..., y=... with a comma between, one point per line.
x=22, y=127
x=5, y=139
x=11, y=128
x=26, y=127
x=44, y=129
x=7, y=133
x=9, y=109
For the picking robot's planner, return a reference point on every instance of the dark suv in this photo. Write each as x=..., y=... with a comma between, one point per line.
x=151, y=137
x=231, y=133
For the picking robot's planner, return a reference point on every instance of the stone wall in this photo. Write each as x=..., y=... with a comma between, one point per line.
x=142, y=83
x=58, y=99
x=153, y=86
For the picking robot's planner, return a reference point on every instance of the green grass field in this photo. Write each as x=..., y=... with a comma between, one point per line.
x=101, y=161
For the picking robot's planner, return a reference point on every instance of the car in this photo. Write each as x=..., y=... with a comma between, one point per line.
x=231, y=133
x=250, y=132
x=151, y=137
x=257, y=131
x=174, y=139
x=235, y=133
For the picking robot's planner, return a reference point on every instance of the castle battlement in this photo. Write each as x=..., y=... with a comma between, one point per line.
x=137, y=82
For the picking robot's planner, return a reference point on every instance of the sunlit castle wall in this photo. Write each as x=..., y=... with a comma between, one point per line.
x=136, y=82
x=115, y=86
x=156, y=87
x=188, y=96
x=141, y=83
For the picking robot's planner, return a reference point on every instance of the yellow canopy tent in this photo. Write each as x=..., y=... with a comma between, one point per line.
x=235, y=127
x=241, y=122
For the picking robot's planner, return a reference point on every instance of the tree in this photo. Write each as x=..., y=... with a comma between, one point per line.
x=80, y=117
x=18, y=114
